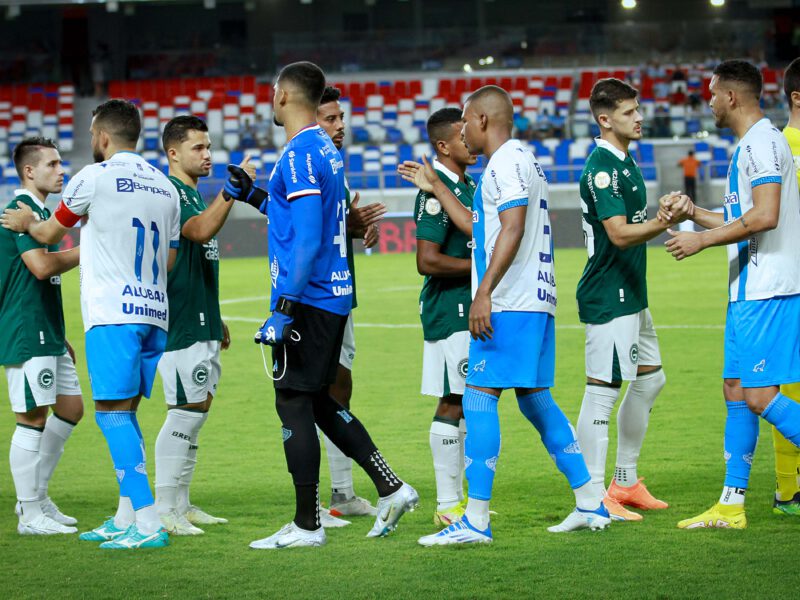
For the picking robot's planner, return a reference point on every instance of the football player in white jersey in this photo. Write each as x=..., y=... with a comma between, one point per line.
x=512, y=315
x=127, y=246
x=759, y=226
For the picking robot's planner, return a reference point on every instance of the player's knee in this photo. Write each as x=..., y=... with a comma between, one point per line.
x=655, y=380
x=449, y=407
x=756, y=404
x=69, y=408
x=33, y=418
x=732, y=390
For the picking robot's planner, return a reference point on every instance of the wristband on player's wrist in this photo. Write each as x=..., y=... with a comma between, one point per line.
x=286, y=306
x=256, y=197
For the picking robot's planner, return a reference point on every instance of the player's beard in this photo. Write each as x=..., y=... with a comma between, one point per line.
x=97, y=155
x=275, y=120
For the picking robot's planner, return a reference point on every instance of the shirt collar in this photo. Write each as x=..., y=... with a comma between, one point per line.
x=601, y=143
x=440, y=167
x=24, y=192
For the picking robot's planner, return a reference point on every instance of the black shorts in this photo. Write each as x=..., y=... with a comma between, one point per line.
x=311, y=363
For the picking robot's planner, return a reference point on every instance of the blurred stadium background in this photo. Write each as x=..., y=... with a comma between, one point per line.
x=395, y=61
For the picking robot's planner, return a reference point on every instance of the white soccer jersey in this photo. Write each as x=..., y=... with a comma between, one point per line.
x=767, y=264
x=513, y=178
x=134, y=218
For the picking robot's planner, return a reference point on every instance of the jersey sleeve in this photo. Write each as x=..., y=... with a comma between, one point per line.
x=762, y=161
x=76, y=198
x=605, y=192
x=301, y=173
x=430, y=221
x=176, y=222
x=513, y=178
x=187, y=209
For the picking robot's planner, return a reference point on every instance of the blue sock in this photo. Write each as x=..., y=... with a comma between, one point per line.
x=784, y=414
x=126, y=452
x=482, y=445
x=557, y=435
x=741, y=437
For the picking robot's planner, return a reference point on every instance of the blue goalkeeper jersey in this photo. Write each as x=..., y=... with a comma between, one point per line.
x=310, y=166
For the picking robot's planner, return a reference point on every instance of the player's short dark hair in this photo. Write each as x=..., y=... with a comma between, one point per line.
x=740, y=72
x=608, y=93
x=177, y=130
x=27, y=152
x=330, y=94
x=307, y=77
x=120, y=119
x=489, y=90
x=791, y=80
x=440, y=124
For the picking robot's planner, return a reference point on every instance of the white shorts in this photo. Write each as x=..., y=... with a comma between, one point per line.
x=616, y=349
x=190, y=374
x=38, y=381
x=348, y=352
x=445, y=364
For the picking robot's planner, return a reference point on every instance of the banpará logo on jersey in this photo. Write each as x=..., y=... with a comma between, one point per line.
x=433, y=206
x=200, y=374
x=463, y=367
x=46, y=379
x=732, y=198
x=602, y=180
x=127, y=185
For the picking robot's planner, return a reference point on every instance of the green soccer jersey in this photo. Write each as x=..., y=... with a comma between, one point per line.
x=193, y=284
x=31, y=315
x=350, y=259
x=614, y=280
x=444, y=301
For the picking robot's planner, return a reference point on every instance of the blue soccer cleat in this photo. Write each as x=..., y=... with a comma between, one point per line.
x=133, y=539
x=103, y=533
x=460, y=532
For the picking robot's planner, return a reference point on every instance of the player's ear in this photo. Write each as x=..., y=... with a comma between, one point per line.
x=443, y=148
x=603, y=121
x=795, y=96
x=484, y=121
x=27, y=172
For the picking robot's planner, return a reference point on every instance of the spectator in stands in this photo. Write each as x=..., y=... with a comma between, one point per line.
x=690, y=167
x=522, y=126
x=661, y=124
x=544, y=128
x=247, y=135
x=261, y=130
x=557, y=123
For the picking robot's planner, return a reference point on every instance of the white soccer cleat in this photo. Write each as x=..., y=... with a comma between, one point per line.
x=51, y=510
x=197, y=516
x=460, y=532
x=291, y=536
x=353, y=507
x=176, y=524
x=583, y=519
x=391, y=508
x=328, y=521
x=43, y=525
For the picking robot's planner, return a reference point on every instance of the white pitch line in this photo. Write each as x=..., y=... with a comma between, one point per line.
x=419, y=326
x=240, y=300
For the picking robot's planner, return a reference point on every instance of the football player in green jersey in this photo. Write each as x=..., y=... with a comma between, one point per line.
x=39, y=363
x=621, y=342
x=190, y=367
x=362, y=222
x=443, y=257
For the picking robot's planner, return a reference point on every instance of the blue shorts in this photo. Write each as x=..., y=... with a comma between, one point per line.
x=521, y=353
x=122, y=359
x=762, y=341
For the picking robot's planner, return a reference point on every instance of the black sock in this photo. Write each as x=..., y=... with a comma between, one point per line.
x=386, y=482
x=306, y=512
x=301, y=446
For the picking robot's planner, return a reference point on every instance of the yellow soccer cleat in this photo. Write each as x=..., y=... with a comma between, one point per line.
x=448, y=516
x=720, y=516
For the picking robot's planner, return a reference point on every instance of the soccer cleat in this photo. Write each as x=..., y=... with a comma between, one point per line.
x=133, y=539
x=196, y=516
x=391, y=508
x=448, y=516
x=50, y=509
x=584, y=519
x=328, y=521
x=789, y=507
x=721, y=516
x=103, y=533
x=291, y=536
x=176, y=524
x=460, y=532
x=352, y=507
x=636, y=496
x=619, y=512
x=43, y=525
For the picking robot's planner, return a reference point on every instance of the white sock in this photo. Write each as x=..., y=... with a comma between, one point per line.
x=182, y=500
x=632, y=419
x=462, y=436
x=125, y=516
x=446, y=450
x=341, y=468
x=55, y=435
x=586, y=497
x=732, y=495
x=592, y=430
x=24, y=460
x=478, y=513
x=172, y=447
x=626, y=476
x=147, y=520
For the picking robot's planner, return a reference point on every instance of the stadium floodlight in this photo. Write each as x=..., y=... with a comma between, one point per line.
x=717, y=3
x=112, y=6
x=467, y=68
x=628, y=4
x=210, y=4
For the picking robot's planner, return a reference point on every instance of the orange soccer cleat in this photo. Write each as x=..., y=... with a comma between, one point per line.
x=619, y=512
x=636, y=496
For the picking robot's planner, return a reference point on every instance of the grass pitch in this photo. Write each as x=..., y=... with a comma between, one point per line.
x=242, y=475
